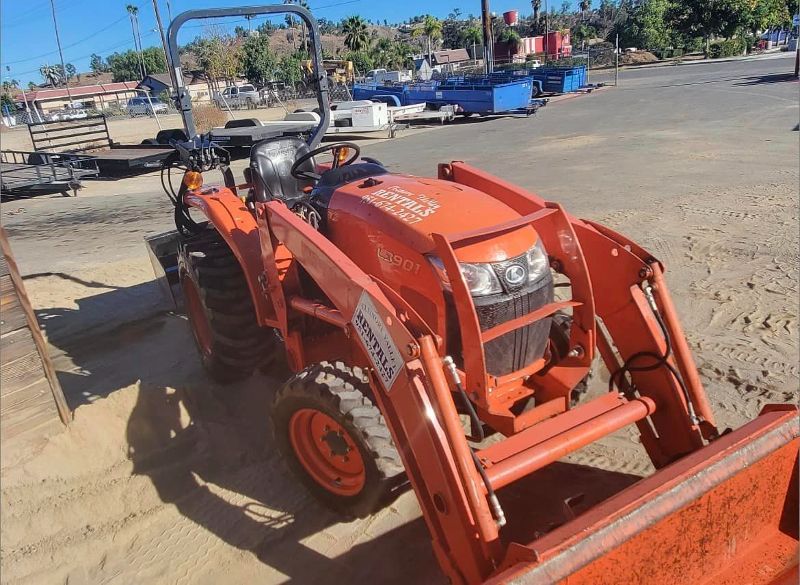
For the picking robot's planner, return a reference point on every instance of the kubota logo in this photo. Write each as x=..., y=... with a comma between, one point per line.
x=514, y=274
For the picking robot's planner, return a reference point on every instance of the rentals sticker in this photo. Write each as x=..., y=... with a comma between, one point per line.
x=376, y=339
x=405, y=205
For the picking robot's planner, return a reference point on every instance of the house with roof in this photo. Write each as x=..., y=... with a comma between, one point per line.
x=98, y=96
x=453, y=57
x=195, y=82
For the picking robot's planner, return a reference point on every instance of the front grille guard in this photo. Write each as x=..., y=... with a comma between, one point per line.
x=496, y=394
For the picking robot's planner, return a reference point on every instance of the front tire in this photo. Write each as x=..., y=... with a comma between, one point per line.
x=335, y=440
x=220, y=309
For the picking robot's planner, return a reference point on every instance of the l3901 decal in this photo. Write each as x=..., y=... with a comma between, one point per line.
x=405, y=205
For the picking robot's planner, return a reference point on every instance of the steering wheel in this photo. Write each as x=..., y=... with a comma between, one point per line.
x=335, y=149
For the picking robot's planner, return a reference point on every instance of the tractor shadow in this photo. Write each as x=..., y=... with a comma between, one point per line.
x=207, y=450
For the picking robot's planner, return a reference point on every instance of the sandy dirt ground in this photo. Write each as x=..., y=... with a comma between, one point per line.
x=164, y=477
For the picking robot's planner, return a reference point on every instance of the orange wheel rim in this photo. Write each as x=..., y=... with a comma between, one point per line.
x=327, y=452
x=201, y=328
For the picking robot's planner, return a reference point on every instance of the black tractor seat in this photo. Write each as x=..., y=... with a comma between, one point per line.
x=271, y=161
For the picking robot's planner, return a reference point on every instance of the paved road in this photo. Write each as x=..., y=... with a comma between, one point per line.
x=665, y=132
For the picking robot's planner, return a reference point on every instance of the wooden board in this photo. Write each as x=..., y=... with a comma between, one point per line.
x=31, y=399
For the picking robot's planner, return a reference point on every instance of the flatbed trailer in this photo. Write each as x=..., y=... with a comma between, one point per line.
x=25, y=173
x=90, y=136
x=246, y=133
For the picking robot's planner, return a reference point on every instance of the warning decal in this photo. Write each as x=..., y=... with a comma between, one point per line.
x=380, y=346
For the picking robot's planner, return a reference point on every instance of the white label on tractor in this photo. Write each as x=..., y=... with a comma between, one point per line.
x=407, y=206
x=379, y=343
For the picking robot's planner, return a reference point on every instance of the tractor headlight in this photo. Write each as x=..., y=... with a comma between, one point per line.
x=538, y=262
x=507, y=276
x=480, y=278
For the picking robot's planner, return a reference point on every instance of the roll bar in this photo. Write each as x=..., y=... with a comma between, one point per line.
x=182, y=99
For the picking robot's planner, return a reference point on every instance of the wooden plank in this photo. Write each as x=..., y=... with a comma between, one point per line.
x=3, y=265
x=27, y=397
x=21, y=373
x=16, y=344
x=12, y=315
x=35, y=414
x=33, y=327
x=6, y=286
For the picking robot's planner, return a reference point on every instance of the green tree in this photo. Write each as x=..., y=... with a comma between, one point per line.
x=70, y=71
x=289, y=70
x=96, y=64
x=585, y=5
x=258, y=61
x=511, y=38
x=126, y=66
x=767, y=13
x=474, y=35
x=6, y=96
x=356, y=35
x=648, y=26
x=362, y=61
x=710, y=18
x=6, y=101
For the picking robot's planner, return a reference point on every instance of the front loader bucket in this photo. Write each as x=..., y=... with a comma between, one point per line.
x=726, y=514
x=163, y=252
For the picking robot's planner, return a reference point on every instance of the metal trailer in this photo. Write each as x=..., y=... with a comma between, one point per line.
x=25, y=173
x=480, y=97
x=90, y=136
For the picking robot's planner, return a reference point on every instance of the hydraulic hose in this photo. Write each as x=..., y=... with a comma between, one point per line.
x=477, y=435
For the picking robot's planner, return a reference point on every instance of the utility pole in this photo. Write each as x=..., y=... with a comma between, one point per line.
x=60, y=52
x=141, y=49
x=546, y=30
x=488, y=36
x=161, y=30
x=616, y=61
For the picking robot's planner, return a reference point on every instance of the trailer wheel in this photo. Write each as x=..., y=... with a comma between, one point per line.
x=220, y=309
x=334, y=438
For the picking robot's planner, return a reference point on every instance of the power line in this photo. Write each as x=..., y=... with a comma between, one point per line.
x=21, y=16
x=117, y=46
x=69, y=46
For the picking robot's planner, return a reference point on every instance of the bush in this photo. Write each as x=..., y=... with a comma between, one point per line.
x=207, y=117
x=727, y=48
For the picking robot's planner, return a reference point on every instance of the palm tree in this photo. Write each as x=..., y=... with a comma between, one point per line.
x=133, y=13
x=51, y=74
x=537, y=6
x=356, y=35
x=290, y=24
x=431, y=29
x=585, y=5
x=474, y=35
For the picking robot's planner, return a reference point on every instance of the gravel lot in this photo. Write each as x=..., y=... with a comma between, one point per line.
x=166, y=478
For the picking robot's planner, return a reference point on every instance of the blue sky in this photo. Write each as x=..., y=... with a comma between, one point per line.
x=27, y=40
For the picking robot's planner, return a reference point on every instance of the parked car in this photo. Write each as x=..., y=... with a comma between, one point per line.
x=234, y=97
x=142, y=106
x=67, y=114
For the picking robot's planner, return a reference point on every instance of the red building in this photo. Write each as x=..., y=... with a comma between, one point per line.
x=556, y=45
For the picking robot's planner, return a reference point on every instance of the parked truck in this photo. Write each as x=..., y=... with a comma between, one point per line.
x=238, y=97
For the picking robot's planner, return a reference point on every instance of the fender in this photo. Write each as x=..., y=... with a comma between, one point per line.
x=238, y=227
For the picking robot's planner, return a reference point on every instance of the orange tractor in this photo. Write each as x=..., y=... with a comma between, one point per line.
x=422, y=315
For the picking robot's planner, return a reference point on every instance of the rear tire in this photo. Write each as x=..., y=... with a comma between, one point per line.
x=335, y=440
x=220, y=309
